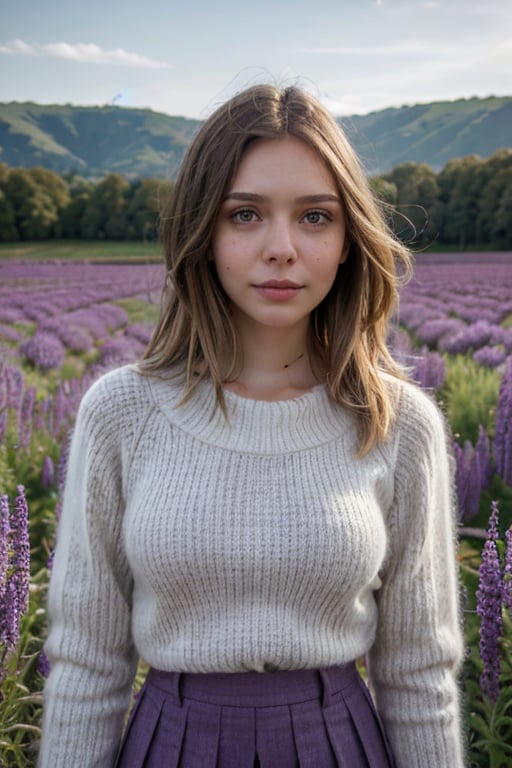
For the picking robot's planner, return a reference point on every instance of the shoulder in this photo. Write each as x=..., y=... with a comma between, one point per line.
x=418, y=418
x=116, y=400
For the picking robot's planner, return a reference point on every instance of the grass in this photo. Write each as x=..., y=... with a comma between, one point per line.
x=470, y=394
x=83, y=250
x=139, y=311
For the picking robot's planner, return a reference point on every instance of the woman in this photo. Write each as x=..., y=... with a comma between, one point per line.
x=264, y=499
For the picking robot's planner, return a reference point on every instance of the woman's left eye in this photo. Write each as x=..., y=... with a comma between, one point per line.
x=317, y=217
x=243, y=216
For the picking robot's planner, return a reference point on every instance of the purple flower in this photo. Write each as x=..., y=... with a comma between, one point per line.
x=15, y=595
x=120, y=350
x=429, y=369
x=48, y=473
x=489, y=597
x=3, y=387
x=467, y=480
x=43, y=664
x=59, y=409
x=62, y=464
x=25, y=417
x=8, y=333
x=139, y=331
x=490, y=357
x=11, y=315
x=73, y=336
x=14, y=380
x=507, y=572
x=502, y=446
x=21, y=547
x=5, y=529
x=484, y=464
x=431, y=331
x=44, y=350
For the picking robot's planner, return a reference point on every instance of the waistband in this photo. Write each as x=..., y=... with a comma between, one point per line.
x=256, y=689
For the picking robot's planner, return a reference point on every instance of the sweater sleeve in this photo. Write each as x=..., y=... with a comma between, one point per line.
x=92, y=657
x=418, y=648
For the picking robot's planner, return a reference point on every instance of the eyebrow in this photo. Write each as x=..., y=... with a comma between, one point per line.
x=325, y=197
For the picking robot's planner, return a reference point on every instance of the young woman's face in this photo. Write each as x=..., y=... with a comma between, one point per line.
x=280, y=234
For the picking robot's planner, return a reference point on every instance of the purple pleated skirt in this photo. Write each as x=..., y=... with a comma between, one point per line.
x=297, y=719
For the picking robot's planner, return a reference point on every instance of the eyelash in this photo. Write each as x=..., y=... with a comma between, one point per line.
x=326, y=216
x=235, y=216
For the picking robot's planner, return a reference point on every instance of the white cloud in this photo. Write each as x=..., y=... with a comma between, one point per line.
x=83, y=53
x=18, y=47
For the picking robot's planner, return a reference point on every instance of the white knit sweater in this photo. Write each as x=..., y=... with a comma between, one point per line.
x=262, y=543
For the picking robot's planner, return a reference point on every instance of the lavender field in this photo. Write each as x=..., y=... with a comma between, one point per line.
x=64, y=323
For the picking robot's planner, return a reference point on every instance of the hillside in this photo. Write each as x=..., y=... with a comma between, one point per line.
x=94, y=141
x=431, y=133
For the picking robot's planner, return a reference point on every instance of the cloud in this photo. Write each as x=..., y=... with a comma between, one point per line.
x=83, y=53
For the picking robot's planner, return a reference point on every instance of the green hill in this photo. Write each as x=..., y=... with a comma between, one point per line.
x=94, y=141
x=432, y=133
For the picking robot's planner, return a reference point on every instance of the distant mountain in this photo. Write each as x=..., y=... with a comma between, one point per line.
x=94, y=141
x=431, y=133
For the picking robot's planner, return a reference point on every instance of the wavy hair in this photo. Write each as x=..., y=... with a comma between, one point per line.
x=348, y=331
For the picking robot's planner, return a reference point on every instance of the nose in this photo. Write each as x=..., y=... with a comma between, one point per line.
x=280, y=246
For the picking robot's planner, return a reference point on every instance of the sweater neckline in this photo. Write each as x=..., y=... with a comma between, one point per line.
x=254, y=426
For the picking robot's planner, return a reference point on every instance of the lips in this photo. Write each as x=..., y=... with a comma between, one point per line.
x=278, y=290
x=278, y=284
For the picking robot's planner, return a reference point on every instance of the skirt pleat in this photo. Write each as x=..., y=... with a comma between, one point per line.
x=200, y=743
x=312, y=743
x=274, y=735
x=237, y=737
x=297, y=719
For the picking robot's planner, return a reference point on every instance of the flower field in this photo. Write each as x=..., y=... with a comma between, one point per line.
x=64, y=323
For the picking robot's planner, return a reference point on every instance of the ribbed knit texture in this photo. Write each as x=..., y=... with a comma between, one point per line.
x=260, y=543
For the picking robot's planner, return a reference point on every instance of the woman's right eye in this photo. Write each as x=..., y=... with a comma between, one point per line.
x=243, y=216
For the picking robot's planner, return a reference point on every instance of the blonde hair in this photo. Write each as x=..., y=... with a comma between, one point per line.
x=348, y=329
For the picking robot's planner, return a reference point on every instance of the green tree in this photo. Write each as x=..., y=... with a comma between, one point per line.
x=416, y=216
x=35, y=212
x=143, y=208
x=502, y=220
x=73, y=214
x=8, y=231
x=459, y=201
x=492, y=178
x=105, y=214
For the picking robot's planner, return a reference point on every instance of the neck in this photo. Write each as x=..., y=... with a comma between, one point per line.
x=275, y=364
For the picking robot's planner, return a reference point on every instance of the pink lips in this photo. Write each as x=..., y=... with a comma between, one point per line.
x=278, y=290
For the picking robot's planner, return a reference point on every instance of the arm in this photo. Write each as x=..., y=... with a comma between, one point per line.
x=418, y=647
x=89, y=644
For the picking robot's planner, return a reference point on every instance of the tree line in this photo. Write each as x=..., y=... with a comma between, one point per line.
x=466, y=204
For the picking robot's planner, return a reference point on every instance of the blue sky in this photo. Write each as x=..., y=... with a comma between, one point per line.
x=185, y=57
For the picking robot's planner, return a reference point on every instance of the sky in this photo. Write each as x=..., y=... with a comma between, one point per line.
x=187, y=57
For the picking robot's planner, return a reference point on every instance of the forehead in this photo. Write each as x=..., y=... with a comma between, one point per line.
x=286, y=160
